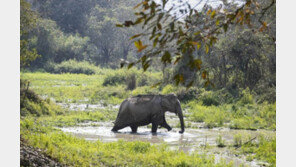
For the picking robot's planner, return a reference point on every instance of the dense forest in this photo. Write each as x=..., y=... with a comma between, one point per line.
x=85, y=31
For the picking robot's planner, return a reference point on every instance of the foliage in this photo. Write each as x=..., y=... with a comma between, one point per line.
x=175, y=41
x=80, y=88
x=72, y=66
x=114, y=79
x=220, y=142
x=131, y=81
x=260, y=116
x=32, y=104
x=264, y=149
x=27, y=23
x=237, y=140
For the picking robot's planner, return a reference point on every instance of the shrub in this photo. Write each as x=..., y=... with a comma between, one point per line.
x=185, y=95
x=168, y=89
x=114, y=79
x=246, y=97
x=143, y=80
x=237, y=140
x=72, y=66
x=209, y=99
x=220, y=142
x=131, y=81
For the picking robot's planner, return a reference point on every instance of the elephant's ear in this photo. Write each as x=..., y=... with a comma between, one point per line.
x=165, y=103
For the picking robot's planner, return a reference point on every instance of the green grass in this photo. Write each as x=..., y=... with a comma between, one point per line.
x=235, y=116
x=73, y=151
x=75, y=117
x=264, y=149
x=81, y=88
x=215, y=108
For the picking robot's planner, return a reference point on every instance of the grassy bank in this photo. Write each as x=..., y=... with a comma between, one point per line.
x=73, y=151
x=214, y=108
x=110, y=87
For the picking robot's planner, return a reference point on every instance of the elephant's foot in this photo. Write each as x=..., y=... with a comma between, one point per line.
x=154, y=128
x=134, y=129
x=169, y=129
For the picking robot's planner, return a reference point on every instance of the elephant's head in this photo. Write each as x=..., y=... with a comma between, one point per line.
x=171, y=103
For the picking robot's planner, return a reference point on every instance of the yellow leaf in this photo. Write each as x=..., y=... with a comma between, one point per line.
x=207, y=49
x=213, y=14
x=139, y=45
x=195, y=43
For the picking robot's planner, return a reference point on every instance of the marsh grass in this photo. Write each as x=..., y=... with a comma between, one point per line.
x=73, y=151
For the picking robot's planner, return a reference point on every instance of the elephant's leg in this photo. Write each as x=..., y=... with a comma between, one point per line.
x=154, y=128
x=134, y=129
x=166, y=125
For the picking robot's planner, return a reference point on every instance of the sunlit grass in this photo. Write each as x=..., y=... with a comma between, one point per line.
x=73, y=151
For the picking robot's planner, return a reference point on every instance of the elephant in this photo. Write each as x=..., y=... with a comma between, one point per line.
x=142, y=110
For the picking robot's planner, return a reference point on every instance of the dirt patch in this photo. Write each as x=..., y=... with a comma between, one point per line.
x=32, y=157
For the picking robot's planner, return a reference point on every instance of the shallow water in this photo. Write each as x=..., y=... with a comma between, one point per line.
x=191, y=140
x=86, y=107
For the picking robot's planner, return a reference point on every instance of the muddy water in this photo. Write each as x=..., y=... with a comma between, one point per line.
x=191, y=140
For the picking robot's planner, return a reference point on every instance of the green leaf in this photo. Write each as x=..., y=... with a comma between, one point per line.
x=155, y=41
x=197, y=33
x=130, y=65
x=119, y=25
x=139, y=20
x=225, y=27
x=166, y=58
x=145, y=66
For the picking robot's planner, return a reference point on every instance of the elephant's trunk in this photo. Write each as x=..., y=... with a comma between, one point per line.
x=180, y=114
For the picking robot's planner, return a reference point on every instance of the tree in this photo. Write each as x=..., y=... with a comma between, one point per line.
x=27, y=24
x=175, y=40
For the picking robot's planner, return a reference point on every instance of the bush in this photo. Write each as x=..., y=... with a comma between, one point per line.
x=72, y=66
x=237, y=140
x=131, y=81
x=143, y=80
x=220, y=142
x=209, y=99
x=246, y=97
x=114, y=79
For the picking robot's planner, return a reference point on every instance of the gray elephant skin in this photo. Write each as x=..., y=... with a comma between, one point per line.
x=142, y=110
